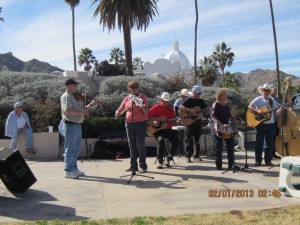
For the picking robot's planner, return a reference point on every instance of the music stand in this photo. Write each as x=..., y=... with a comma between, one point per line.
x=133, y=173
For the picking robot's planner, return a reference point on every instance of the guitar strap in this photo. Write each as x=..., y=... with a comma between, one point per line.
x=271, y=103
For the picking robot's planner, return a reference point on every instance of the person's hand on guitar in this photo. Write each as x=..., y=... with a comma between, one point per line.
x=191, y=112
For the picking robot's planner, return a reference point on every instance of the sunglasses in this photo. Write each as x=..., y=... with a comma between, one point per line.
x=266, y=90
x=134, y=87
x=20, y=107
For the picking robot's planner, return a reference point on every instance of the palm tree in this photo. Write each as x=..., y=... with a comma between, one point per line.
x=86, y=58
x=276, y=50
x=1, y=19
x=137, y=63
x=195, y=47
x=126, y=15
x=73, y=4
x=208, y=70
x=116, y=55
x=223, y=56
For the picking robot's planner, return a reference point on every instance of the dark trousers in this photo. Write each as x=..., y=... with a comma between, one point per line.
x=160, y=136
x=193, y=133
x=219, y=147
x=264, y=132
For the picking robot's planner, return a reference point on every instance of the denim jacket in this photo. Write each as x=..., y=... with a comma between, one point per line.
x=11, y=129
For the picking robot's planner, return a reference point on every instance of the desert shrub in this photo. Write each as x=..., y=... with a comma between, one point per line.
x=39, y=93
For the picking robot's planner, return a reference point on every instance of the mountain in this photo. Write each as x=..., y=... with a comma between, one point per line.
x=255, y=78
x=11, y=63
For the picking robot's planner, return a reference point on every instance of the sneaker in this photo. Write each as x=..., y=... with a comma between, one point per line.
x=80, y=173
x=71, y=175
x=188, y=160
x=30, y=150
x=143, y=171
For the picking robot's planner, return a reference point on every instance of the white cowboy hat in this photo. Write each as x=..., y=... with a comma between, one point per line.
x=165, y=96
x=184, y=92
x=266, y=87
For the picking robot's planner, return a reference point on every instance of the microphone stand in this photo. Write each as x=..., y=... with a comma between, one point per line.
x=134, y=166
x=246, y=167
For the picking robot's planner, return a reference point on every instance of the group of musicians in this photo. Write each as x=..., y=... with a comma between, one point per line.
x=188, y=111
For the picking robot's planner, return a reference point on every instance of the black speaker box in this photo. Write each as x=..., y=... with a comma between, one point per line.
x=14, y=171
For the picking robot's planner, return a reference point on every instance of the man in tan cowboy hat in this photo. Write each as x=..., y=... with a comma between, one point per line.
x=160, y=114
x=265, y=130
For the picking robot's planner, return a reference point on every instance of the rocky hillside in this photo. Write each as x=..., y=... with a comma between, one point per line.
x=11, y=63
x=256, y=78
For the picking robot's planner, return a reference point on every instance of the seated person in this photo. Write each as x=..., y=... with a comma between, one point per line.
x=159, y=114
x=16, y=124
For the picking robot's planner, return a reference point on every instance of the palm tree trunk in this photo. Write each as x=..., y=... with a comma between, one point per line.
x=276, y=50
x=195, y=47
x=73, y=36
x=127, y=46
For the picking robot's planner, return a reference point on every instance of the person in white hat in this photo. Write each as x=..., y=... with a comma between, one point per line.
x=17, y=123
x=193, y=131
x=163, y=113
x=265, y=130
x=184, y=94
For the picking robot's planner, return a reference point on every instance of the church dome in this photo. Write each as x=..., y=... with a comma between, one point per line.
x=177, y=56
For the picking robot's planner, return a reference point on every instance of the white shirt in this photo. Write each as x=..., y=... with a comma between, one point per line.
x=21, y=122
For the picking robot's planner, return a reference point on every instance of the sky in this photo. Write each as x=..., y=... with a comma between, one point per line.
x=41, y=29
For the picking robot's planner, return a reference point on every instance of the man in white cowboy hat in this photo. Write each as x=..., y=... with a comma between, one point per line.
x=193, y=130
x=265, y=130
x=184, y=94
x=159, y=114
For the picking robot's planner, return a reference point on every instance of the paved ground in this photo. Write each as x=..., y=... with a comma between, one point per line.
x=183, y=188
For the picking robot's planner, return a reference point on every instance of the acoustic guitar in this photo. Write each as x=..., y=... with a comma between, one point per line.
x=162, y=124
x=254, y=118
x=186, y=119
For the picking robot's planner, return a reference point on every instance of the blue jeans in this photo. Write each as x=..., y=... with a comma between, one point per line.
x=264, y=132
x=72, y=146
x=28, y=137
x=230, y=152
x=136, y=134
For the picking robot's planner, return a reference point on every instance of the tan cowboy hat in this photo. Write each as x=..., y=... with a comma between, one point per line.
x=184, y=92
x=165, y=96
x=266, y=87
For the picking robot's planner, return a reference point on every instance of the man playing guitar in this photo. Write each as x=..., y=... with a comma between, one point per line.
x=266, y=129
x=163, y=112
x=193, y=130
x=220, y=116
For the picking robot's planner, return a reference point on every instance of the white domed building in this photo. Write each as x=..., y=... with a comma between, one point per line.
x=172, y=63
x=177, y=56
